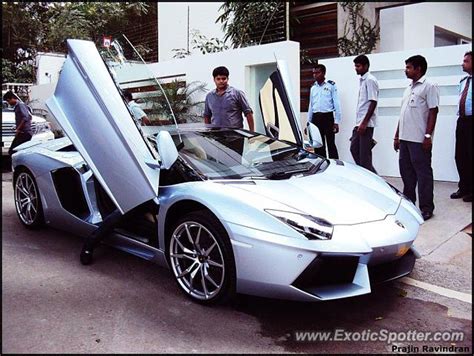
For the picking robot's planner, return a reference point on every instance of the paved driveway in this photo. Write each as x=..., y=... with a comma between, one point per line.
x=122, y=304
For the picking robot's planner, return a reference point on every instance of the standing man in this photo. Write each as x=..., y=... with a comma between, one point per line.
x=225, y=104
x=138, y=114
x=23, y=132
x=324, y=110
x=463, y=155
x=414, y=134
x=362, y=134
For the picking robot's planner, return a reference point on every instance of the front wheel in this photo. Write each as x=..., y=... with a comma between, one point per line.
x=27, y=200
x=201, y=258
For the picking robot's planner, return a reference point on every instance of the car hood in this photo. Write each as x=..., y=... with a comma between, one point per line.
x=341, y=194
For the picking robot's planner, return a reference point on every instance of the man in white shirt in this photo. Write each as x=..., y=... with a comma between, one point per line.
x=362, y=140
x=414, y=135
x=138, y=113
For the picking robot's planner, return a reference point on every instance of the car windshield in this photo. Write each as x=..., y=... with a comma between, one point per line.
x=236, y=154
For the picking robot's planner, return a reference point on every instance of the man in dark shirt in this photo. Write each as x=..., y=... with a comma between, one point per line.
x=23, y=118
x=224, y=105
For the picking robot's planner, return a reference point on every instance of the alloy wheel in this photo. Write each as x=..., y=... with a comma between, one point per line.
x=27, y=200
x=197, y=260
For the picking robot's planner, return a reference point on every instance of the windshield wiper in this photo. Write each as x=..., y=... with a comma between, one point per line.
x=253, y=177
x=318, y=166
x=283, y=175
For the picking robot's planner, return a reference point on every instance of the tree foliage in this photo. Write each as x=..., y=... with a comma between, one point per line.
x=241, y=20
x=203, y=44
x=31, y=27
x=360, y=37
x=182, y=99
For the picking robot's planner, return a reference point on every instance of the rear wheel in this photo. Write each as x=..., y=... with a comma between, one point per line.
x=27, y=200
x=201, y=258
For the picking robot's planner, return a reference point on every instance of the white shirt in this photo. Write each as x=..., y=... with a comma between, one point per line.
x=368, y=91
x=137, y=111
x=417, y=101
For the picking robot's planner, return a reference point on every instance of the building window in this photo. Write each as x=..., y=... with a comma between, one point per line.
x=447, y=38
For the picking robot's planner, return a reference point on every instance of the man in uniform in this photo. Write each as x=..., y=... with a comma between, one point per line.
x=324, y=110
x=414, y=135
x=463, y=155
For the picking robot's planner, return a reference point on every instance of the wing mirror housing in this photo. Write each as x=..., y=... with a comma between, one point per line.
x=166, y=149
x=314, y=135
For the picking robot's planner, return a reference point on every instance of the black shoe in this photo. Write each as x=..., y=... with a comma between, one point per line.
x=467, y=198
x=427, y=215
x=457, y=195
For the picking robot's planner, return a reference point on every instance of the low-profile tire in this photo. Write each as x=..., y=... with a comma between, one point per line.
x=201, y=258
x=28, y=204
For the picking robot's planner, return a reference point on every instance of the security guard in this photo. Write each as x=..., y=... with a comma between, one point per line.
x=323, y=103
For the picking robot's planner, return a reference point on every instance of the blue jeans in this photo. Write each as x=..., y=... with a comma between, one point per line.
x=415, y=169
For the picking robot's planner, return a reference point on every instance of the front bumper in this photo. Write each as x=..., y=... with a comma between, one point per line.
x=357, y=257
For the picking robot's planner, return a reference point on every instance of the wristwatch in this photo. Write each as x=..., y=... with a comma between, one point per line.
x=428, y=136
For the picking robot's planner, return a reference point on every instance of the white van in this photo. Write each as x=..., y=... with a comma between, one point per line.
x=40, y=127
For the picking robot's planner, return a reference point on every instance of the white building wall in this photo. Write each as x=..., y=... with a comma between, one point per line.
x=172, y=25
x=444, y=68
x=38, y=96
x=48, y=66
x=392, y=29
x=412, y=26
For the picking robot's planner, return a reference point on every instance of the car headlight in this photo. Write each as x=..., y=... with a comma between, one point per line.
x=311, y=227
x=41, y=127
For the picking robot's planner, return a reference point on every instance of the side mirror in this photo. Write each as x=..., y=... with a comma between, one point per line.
x=315, y=139
x=166, y=149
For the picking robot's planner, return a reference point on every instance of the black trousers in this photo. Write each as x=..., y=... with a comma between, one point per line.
x=325, y=123
x=361, y=148
x=463, y=153
x=415, y=168
x=18, y=140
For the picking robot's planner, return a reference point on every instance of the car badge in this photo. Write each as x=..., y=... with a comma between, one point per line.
x=399, y=224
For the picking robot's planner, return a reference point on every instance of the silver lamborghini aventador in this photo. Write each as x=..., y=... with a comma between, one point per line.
x=225, y=209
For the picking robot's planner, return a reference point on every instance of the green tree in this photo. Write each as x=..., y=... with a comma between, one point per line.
x=202, y=43
x=359, y=35
x=31, y=27
x=182, y=99
x=242, y=22
x=246, y=24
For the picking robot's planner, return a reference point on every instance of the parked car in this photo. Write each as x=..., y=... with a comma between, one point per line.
x=226, y=210
x=41, y=128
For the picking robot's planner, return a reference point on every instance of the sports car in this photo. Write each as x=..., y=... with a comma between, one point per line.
x=227, y=210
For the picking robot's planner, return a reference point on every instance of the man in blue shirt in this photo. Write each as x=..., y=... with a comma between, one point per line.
x=324, y=110
x=23, y=132
x=224, y=105
x=463, y=155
